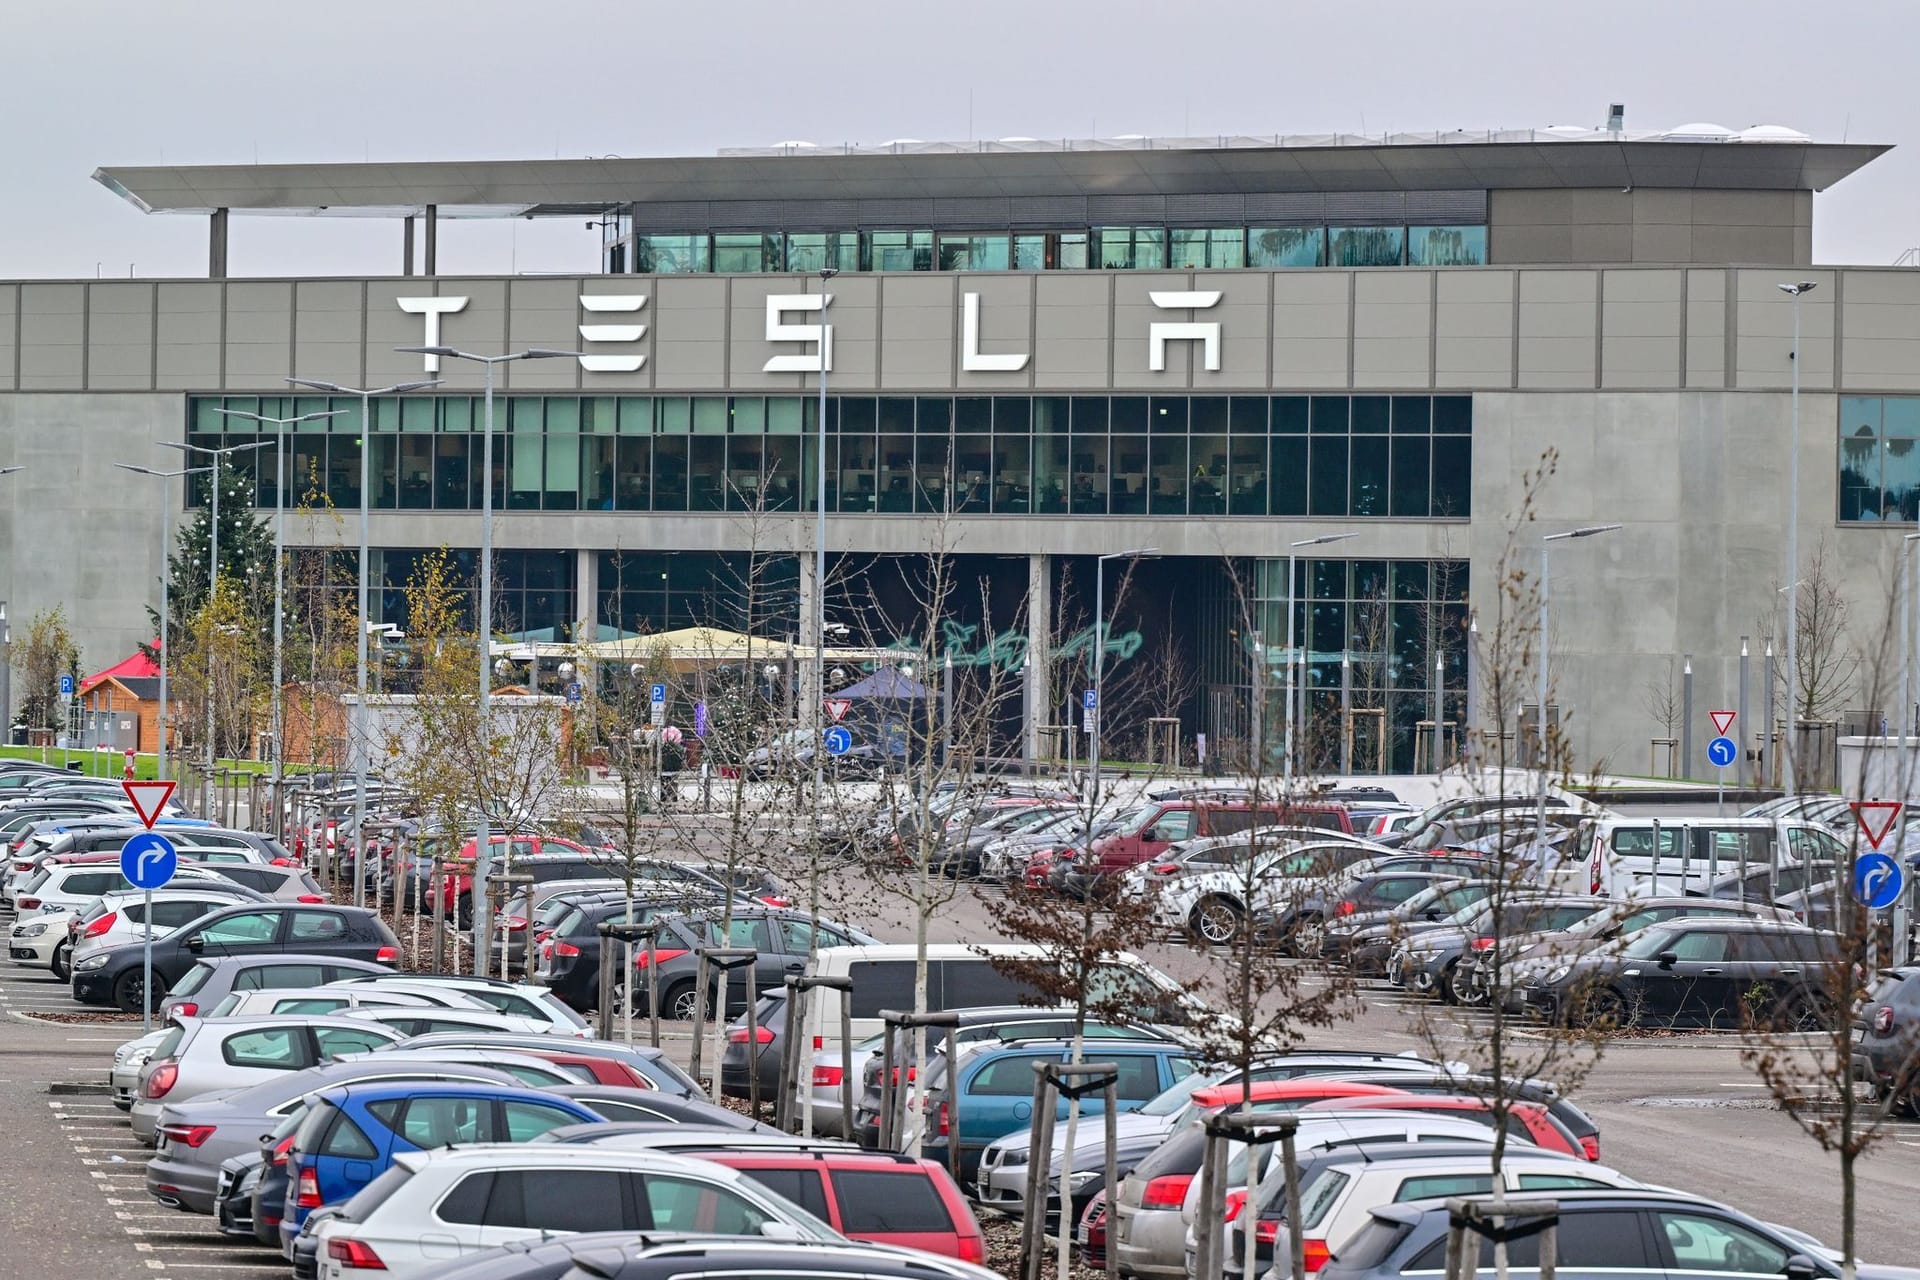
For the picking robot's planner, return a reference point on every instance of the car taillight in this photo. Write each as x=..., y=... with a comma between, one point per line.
x=1482, y=944
x=828, y=1077
x=773, y=901
x=283, y=862
x=1317, y=1255
x=187, y=1135
x=310, y=897
x=945, y=1128
x=26, y=904
x=565, y=949
x=1164, y=868
x=1230, y=1208
x=973, y=1249
x=280, y=1149
x=739, y=1036
x=1266, y=1231
x=161, y=1079
x=1883, y=1020
x=1346, y=908
x=513, y=924
x=308, y=1190
x=354, y=1254
x=387, y=955
x=646, y=958
x=185, y=1009
x=101, y=925
x=1169, y=1191
x=1590, y=1147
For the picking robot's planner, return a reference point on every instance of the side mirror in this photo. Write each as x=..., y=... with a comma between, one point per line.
x=1800, y=1267
x=195, y=943
x=772, y=1230
x=1667, y=959
x=1435, y=913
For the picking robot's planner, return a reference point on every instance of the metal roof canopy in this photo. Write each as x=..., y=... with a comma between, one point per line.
x=570, y=188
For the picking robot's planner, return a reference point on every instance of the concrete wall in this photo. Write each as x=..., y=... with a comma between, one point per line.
x=1646, y=224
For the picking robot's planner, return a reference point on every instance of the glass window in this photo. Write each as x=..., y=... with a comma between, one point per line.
x=801, y=1186
x=1203, y=247
x=1008, y=1077
x=444, y=1122
x=335, y=1041
x=1130, y=248
x=1366, y=246
x=1069, y=250
x=896, y=251
x=1446, y=246
x=1287, y=247
x=311, y=926
x=872, y=1201
x=467, y=1202
x=269, y=1048
x=248, y=928
x=669, y=254
x=1430, y=1186
x=268, y=977
x=1030, y=253
x=975, y=252
x=347, y=1140
x=681, y=1204
x=527, y=1120
x=746, y=252
x=1700, y=1242
x=810, y=251
x=558, y=1200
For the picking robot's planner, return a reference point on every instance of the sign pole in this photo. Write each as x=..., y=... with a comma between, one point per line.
x=146, y=967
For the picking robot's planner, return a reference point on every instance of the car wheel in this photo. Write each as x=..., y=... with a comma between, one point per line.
x=1600, y=1009
x=1215, y=921
x=62, y=963
x=128, y=990
x=1443, y=986
x=1460, y=991
x=1802, y=1011
x=1305, y=938
x=680, y=1003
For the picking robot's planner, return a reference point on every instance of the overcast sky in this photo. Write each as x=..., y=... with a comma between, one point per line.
x=85, y=83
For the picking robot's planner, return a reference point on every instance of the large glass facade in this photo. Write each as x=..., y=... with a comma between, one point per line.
x=1879, y=459
x=1110, y=248
x=1375, y=456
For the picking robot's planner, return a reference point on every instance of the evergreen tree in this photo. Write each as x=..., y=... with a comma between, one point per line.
x=246, y=559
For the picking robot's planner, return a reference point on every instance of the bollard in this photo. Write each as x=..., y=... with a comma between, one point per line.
x=725, y=959
x=1033, y=1223
x=893, y=1095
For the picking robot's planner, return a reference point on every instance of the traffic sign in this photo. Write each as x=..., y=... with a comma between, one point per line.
x=1722, y=752
x=836, y=708
x=575, y=691
x=1876, y=818
x=1877, y=880
x=1090, y=700
x=657, y=694
x=66, y=688
x=148, y=860
x=1089, y=722
x=1722, y=721
x=659, y=715
x=149, y=799
x=839, y=740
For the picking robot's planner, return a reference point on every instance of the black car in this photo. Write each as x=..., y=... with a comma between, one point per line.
x=1728, y=974
x=742, y=1060
x=115, y=975
x=1363, y=891
x=1886, y=1038
x=1602, y=1235
x=1429, y=962
x=569, y=959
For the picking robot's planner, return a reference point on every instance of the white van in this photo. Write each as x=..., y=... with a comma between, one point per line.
x=1627, y=857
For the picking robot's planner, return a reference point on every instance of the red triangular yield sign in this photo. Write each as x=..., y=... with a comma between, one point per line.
x=148, y=798
x=837, y=707
x=1722, y=721
x=1876, y=818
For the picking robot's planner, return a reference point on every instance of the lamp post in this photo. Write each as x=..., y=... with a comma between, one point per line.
x=280, y=426
x=1795, y=291
x=483, y=617
x=365, y=397
x=819, y=618
x=1099, y=670
x=1546, y=543
x=6, y=656
x=1293, y=556
x=1909, y=630
x=213, y=581
x=166, y=540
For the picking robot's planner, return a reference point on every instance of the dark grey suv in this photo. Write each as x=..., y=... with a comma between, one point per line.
x=1886, y=1038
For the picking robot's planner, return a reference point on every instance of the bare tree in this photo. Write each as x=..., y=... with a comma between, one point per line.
x=1660, y=698
x=1827, y=662
x=45, y=653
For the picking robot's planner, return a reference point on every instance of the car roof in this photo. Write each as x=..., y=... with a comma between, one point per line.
x=559, y=1156
x=434, y=1089
x=1742, y=924
x=605, y=1254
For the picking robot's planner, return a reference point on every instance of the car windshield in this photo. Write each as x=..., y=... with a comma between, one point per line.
x=1651, y=942
x=1600, y=919
x=1430, y=896
x=1176, y=1099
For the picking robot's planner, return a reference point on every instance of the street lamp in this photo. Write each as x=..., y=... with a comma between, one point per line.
x=166, y=649
x=1795, y=291
x=1100, y=666
x=360, y=645
x=280, y=426
x=1293, y=555
x=818, y=709
x=1909, y=629
x=482, y=859
x=1546, y=542
x=213, y=579
x=6, y=658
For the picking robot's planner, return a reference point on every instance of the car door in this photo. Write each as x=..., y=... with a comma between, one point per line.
x=244, y=933
x=330, y=1043
x=317, y=931
x=996, y=1097
x=1701, y=1245
x=1701, y=980
x=531, y=1203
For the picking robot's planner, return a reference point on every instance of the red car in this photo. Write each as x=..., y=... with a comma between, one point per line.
x=1529, y=1120
x=870, y=1196
x=457, y=883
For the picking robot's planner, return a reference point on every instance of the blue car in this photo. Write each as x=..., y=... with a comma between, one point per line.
x=351, y=1134
x=995, y=1094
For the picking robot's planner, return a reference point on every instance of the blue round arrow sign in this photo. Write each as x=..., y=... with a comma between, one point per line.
x=1877, y=880
x=1722, y=752
x=148, y=860
x=839, y=740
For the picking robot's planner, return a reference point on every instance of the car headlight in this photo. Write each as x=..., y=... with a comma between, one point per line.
x=90, y=962
x=30, y=930
x=1077, y=1179
x=1558, y=972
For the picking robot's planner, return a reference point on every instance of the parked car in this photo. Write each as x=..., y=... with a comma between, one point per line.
x=122, y=917
x=209, y=982
x=1601, y=1235
x=352, y=1133
x=329, y=932
x=520, y=999
x=1216, y=907
x=619, y=1256
x=431, y=1021
x=1148, y=830
x=1714, y=973
x=873, y=1197
x=651, y=1107
x=1567, y=1128
x=569, y=959
x=430, y=1206
x=782, y=939
x=1886, y=1038
x=1429, y=961
x=332, y=999
x=1299, y=924
x=605, y=1061
x=202, y=1055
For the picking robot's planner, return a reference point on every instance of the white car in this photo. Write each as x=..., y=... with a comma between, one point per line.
x=1214, y=905
x=32, y=942
x=432, y=1206
x=520, y=999
x=129, y=1060
x=334, y=999
x=427, y=1022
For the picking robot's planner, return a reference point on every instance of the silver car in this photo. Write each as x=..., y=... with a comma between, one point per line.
x=205, y=1054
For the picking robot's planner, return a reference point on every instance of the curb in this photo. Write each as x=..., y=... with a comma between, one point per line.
x=69, y=1089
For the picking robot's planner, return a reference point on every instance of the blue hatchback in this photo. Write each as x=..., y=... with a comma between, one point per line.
x=351, y=1134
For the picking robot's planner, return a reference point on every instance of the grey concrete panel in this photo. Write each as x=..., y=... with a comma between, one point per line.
x=690, y=333
x=1706, y=328
x=1311, y=321
x=648, y=315
x=1662, y=206
x=546, y=314
x=188, y=322
x=1393, y=328
x=388, y=327
x=1588, y=206
x=120, y=337
x=481, y=328
x=1557, y=314
x=1742, y=244
x=259, y=332
x=1133, y=318
x=9, y=330
x=52, y=333
x=1521, y=244
x=1243, y=315
x=1473, y=343
x=1006, y=327
x=920, y=346
x=1743, y=208
x=1529, y=207
x=1880, y=327
x=1765, y=319
x=1602, y=242
x=1641, y=341
x=1071, y=327
x=1662, y=242
x=327, y=331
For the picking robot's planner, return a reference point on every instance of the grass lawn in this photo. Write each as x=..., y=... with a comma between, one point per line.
x=112, y=764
